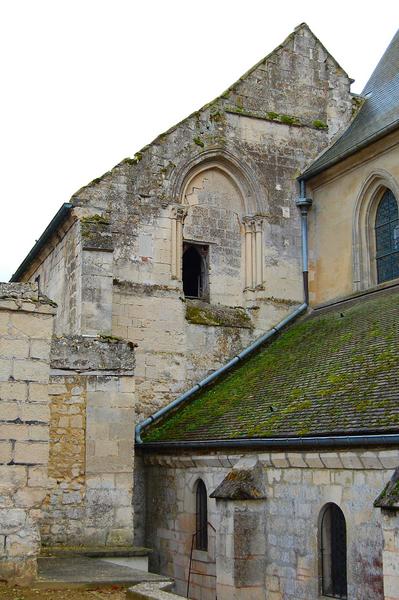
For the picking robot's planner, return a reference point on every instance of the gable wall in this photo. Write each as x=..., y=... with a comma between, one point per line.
x=225, y=177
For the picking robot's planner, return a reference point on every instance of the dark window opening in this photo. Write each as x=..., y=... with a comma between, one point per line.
x=333, y=552
x=201, y=506
x=195, y=270
x=387, y=238
x=37, y=280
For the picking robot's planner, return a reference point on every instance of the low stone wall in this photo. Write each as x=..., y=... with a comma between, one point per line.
x=91, y=443
x=26, y=326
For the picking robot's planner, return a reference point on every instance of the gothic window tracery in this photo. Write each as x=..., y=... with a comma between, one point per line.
x=387, y=238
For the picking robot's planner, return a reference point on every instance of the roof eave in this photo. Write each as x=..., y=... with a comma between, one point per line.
x=310, y=173
x=55, y=222
x=351, y=440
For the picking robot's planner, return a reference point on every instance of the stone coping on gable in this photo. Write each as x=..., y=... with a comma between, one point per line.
x=359, y=460
x=25, y=297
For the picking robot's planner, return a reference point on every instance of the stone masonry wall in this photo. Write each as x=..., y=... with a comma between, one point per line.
x=172, y=353
x=298, y=485
x=59, y=269
x=390, y=527
x=91, y=443
x=26, y=326
x=224, y=178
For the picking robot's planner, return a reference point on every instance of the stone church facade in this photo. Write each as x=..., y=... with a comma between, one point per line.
x=162, y=270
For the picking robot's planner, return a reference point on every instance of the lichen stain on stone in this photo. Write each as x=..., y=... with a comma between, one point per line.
x=217, y=316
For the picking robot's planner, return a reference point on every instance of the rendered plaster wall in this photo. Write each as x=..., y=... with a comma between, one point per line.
x=341, y=220
x=91, y=443
x=298, y=486
x=26, y=325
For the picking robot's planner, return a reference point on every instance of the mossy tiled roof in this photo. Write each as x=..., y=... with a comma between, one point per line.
x=336, y=372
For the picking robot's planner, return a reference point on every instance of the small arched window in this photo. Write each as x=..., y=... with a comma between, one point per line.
x=387, y=238
x=201, y=505
x=333, y=552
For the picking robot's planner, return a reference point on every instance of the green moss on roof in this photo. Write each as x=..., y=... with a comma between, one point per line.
x=326, y=374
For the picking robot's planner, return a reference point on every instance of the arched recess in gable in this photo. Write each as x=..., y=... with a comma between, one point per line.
x=364, y=219
x=219, y=203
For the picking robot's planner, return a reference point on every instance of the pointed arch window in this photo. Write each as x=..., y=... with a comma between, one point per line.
x=201, y=504
x=387, y=238
x=333, y=552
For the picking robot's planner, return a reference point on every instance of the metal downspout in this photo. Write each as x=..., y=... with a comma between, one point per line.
x=303, y=203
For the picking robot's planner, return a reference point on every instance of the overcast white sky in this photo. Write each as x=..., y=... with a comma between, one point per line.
x=85, y=83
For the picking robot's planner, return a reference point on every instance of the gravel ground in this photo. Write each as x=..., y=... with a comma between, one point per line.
x=11, y=593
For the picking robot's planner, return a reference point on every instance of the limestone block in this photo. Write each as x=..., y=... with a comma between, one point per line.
x=12, y=476
x=296, y=459
x=5, y=452
x=370, y=460
x=4, y=323
x=29, y=370
x=13, y=431
x=12, y=520
x=23, y=324
x=279, y=460
x=351, y=460
x=30, y=497
x=37, y=476
x=31, y=453
x=18, y=348
x=39, y=433
x=35, y=412
x=39, y=349
x=321, y=477
x=389, y=459
x=331, y=460
x=14, y=390
x=5, y=369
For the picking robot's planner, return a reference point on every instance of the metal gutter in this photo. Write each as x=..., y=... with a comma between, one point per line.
x=59, y=217
x=390, y=439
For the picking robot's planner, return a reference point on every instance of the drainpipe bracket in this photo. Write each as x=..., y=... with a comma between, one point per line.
x=304, y=203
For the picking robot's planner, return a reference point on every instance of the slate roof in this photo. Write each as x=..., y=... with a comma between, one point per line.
x=378, y=115
x=331, y=373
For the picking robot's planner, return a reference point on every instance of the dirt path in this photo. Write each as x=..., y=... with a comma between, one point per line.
x=11, y=593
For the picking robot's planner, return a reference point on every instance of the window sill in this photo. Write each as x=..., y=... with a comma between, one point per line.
x=200, y=556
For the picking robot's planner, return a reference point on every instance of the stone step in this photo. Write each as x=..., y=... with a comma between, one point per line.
x=152, y=591
x=89, y=573
x=93, y=551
